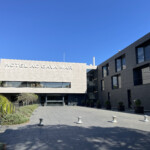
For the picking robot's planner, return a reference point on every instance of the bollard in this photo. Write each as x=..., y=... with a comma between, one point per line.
x=145, y=118
x=114, y=119
x=79, y=120
x=40, y=123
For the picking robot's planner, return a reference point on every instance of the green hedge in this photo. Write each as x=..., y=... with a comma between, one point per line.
x=22, y=115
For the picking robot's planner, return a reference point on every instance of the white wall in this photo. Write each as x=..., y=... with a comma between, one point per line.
x=25, y=70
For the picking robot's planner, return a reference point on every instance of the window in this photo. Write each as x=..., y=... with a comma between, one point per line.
x=143, y=53
x=102, y=85
x=120, y=63
x=116, y=82
x=19, y=84
x=105, y=70
x=140, y=55
x=141, y=75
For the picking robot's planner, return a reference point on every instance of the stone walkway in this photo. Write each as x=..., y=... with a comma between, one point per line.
x=61, y=131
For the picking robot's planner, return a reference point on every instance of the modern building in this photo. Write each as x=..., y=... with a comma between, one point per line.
x=126, y=75
x=54, y=82
x=122, y=78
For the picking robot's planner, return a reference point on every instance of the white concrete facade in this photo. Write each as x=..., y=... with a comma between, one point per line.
x=44, y=71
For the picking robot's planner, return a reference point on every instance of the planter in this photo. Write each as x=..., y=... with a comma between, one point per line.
x=139, y=110
x=121, y=108
x=108, y=107
x=2, y=146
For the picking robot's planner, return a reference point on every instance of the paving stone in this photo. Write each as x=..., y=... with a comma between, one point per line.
x=61, y=131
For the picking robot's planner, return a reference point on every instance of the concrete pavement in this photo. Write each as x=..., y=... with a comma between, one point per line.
x=61, y=131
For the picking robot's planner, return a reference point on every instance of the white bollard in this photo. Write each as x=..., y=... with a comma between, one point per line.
x=145, y=118
x=79, y=120
x=114, y=119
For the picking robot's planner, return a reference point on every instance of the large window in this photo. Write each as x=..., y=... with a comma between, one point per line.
x=105, y=70
x=19, y=84
x=120, y=63
x=116, y=82
x=143, y=53
x=141, y=75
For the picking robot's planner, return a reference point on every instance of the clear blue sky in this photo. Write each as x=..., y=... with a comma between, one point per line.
x=46, y=29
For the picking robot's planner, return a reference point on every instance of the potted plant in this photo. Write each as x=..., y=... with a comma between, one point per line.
x=92, y=103
x=98, y=104
x=83, y=103
x=108, y=104
x=121, y=106
x=138, y=108
x=88, y=103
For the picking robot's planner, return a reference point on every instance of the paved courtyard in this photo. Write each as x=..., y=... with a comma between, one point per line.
x=61, y=131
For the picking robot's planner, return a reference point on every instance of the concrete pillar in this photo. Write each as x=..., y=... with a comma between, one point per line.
x=46, y=100
x=63, y=100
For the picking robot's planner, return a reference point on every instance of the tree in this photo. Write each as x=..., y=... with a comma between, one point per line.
x=27, y=98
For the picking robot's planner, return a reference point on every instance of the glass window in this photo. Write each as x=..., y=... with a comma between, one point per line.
x=140, y=54
x=105, y=70
x=147, y=52
x=141, y=75
x=116, y=82
x=19, y=84
x=145, y=75
x=118, y=64
x=123, y=62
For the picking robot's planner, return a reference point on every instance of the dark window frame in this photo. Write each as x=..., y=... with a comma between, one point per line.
x=137, y=75
x=112, y=83
x=30, y=84
x=144, y=45
x=107, y=70
x=121, y=62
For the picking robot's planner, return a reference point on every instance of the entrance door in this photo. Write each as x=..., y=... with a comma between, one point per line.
x=129, y=98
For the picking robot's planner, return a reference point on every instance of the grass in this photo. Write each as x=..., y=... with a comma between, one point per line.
x=22, y=115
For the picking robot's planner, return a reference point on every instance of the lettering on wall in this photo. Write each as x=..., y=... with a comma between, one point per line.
x=36, y=66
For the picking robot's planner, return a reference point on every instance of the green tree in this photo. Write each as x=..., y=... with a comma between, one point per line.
x=27, y=98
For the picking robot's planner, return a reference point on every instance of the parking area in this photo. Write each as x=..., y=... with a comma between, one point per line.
x=60, y=130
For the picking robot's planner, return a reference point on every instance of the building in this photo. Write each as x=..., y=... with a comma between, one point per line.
x=54, y=82
x=126, y=75
x=122, y=78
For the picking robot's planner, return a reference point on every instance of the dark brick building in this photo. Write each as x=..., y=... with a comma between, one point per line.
x=126, y=75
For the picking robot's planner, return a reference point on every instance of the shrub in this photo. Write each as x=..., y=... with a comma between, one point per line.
x=83, y=103
x=137, y=102
x=87, y=103
x=98, y=104
x=6, y=107
x=108, y=104
x=21, y=116
x=16, y=118
x=120, y=104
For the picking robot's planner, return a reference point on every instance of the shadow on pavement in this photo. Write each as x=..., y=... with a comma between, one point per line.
x=64, y=137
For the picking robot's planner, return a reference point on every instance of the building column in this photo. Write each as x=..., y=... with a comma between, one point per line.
x=63, y=100
x=46, y=100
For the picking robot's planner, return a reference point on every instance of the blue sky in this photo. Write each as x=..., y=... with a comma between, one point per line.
x=46, y=29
